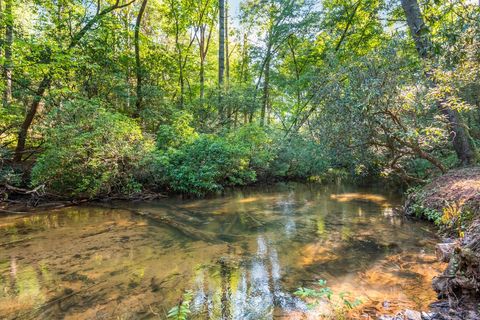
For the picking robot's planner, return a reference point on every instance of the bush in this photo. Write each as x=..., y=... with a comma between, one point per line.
x=90, y=151
x=299, y=158
x=177, y=133
x=207, y=164
x=257, y=145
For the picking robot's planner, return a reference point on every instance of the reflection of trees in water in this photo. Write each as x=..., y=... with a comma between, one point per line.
x=250, y=289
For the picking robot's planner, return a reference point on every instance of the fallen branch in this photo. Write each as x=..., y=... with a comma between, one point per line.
x=38, y=191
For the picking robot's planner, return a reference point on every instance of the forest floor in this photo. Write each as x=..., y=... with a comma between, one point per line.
x=455, y=198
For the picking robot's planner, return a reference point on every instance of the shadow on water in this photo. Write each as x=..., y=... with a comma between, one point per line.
x=254, y=247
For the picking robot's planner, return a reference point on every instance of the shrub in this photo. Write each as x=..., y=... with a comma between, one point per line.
x=299, y=158
x=256, y=144
x=205, y=165
x=90, y=151
x=177, y=133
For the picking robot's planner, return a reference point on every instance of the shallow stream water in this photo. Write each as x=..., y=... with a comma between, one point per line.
x=241, y=256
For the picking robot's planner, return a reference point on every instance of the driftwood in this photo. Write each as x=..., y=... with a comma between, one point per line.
x=37, y=191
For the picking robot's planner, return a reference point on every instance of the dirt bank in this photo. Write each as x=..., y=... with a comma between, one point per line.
x=453, y=202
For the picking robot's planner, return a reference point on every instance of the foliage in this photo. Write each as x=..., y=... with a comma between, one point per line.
x=257, y=146
x=90, y=151
x=341, y=302
x=178, y=133
x=205, y=165
x=182, y=310
x=299, y=158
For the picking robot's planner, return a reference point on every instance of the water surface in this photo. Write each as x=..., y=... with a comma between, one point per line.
x=241, y=256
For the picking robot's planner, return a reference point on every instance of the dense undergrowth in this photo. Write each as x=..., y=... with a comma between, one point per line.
x=91, y=151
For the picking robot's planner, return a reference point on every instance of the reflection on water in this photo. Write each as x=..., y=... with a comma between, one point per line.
x=95, y=262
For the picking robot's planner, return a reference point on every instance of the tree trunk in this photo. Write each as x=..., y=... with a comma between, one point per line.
x=179, y=60
x=227, y=64
x=22, y=134
x=266, y=83
x=221, y=42
x=221, y=54
x=202, y=62
x=8, y=16
x=418, y=28
x=462, y=142
x=127, y=74
x=204, y=44
x=227, y=54
x=138, y=64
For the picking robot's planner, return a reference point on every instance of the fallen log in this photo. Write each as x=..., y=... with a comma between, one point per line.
x=38, y=191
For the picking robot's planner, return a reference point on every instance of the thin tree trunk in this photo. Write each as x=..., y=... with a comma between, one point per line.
x=138, y=63
x=227, y=54
x=179, y=58
x=227, y=63
x=266, y=83
x=127, y=75
x=204, y=44
x=221, y=54
x=8, y=16
x=202, y=63
x=22, y=134
x=462, y=142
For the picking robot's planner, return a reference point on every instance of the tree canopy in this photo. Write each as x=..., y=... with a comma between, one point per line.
x=116, y=96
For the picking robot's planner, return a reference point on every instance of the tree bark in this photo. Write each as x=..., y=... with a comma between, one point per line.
x=462, y=142
x=8, y=16
x=204, y=44
x=417, y=27
x=227, y=55
x=266, y=84
x=221, y=42
x=201, y=43
x=227, y=64
x=138, y=63
x=221, y=54
x=22, y=134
